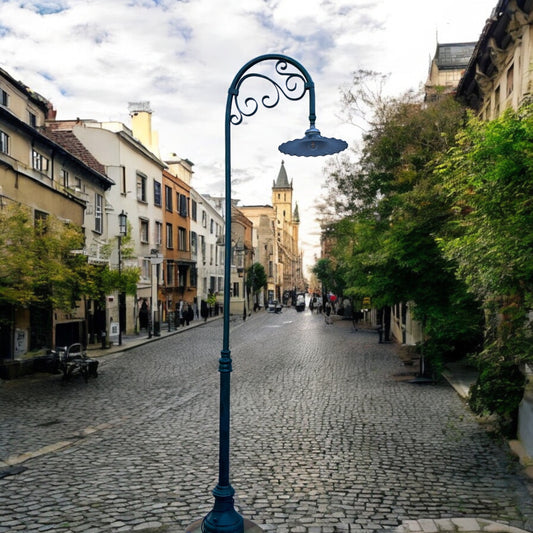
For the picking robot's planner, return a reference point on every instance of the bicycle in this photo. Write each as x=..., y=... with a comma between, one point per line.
x=73, y=360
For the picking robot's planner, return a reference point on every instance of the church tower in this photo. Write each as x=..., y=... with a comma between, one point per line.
x=282, y=196
x=287, y=223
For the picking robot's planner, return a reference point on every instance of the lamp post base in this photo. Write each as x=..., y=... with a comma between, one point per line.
x=249, y=527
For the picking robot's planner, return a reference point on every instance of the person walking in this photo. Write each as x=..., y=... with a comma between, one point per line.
x=188, y=315
x=327, y=313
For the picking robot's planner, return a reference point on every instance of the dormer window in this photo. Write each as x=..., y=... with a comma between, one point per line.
x=32, y=119
x=4, y=98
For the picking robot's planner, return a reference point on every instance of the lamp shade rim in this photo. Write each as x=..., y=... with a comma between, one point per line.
x=312, y=146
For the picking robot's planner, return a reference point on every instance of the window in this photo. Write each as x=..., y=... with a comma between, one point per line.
x=141, y=187
x=212, y=227
x=32, y=118
x=194, y=242
x=193, y=275
x=98, y=213
x=146, y=269
x=510, y=80
x=158, y=233
x=123, y=182
x=64, y=177
x=39, y=161
x=194, y=209
x=211, y=250
x=236, y=290
x=4, y=98
x=170, y=272
x=170, y=236
x=182, y=277
x=182, y=205
x=157, y=193
x=204, y=219
x=182, y=239
x=168, y=198
x=40, y=219
x=143, y=227
x=4, y=142
x=202, y=248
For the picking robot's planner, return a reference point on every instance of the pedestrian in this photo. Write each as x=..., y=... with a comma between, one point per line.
x=327, y=313
x=181, y=311
x=143, y=315
x=203, y=310
x=188, y=314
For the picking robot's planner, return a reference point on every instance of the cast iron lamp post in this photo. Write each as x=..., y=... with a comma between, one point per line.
x=293, y=82
x=122, y=232
x=155, y=259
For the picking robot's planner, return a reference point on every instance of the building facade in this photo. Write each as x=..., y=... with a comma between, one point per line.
x=51, y=176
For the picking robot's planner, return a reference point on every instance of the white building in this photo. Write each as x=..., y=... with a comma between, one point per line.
x=137, y=173
x=207, y=237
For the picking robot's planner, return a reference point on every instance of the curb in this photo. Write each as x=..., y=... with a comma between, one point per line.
x=463, y=525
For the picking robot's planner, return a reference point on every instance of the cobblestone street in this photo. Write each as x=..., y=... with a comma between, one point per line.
x=327, y=435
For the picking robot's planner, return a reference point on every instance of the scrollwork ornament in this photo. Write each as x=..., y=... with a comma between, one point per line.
x=291, y=84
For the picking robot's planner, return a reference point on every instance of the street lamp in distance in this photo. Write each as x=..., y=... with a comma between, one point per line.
x=122, y=232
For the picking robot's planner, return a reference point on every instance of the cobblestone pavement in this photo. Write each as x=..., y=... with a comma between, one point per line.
x=327, y=435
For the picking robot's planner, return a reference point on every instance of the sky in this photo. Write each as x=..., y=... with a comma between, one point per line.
x=90, y=58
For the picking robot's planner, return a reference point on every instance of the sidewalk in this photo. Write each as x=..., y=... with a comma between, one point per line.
x=133, y=341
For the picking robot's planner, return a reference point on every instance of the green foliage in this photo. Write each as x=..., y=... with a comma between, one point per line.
x=330, y=274
x=393, y=207
x=256, y=278
x=499, y=390
x=489, y=177
x=437, y=211
x=39, y=269
x=37, y=266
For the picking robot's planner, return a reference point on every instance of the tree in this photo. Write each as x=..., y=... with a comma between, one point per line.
x=392, y=207
x=489, y=179
x=37, y=265
x=256, y=280
x=39, y=271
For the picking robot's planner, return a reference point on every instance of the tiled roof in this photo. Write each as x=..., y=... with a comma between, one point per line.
x=73, y=145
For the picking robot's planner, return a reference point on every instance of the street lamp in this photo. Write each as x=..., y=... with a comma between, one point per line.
x=122, y=232
x=155, y=259
x=293, y=82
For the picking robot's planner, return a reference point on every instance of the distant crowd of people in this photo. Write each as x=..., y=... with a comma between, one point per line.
x=182, y=315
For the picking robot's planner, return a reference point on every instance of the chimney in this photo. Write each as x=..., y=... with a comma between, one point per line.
x=141, y=123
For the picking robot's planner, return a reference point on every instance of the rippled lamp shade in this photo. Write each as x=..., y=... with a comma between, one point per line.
x=313, y=144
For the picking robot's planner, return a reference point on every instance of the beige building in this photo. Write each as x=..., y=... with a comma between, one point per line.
x=499, y=73
x=138, y=174
x=51, y=175
x=265, y=249
x=447, y=68
x=276, y=234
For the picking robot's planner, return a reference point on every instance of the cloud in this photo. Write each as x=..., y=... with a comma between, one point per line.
x=92, y=57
